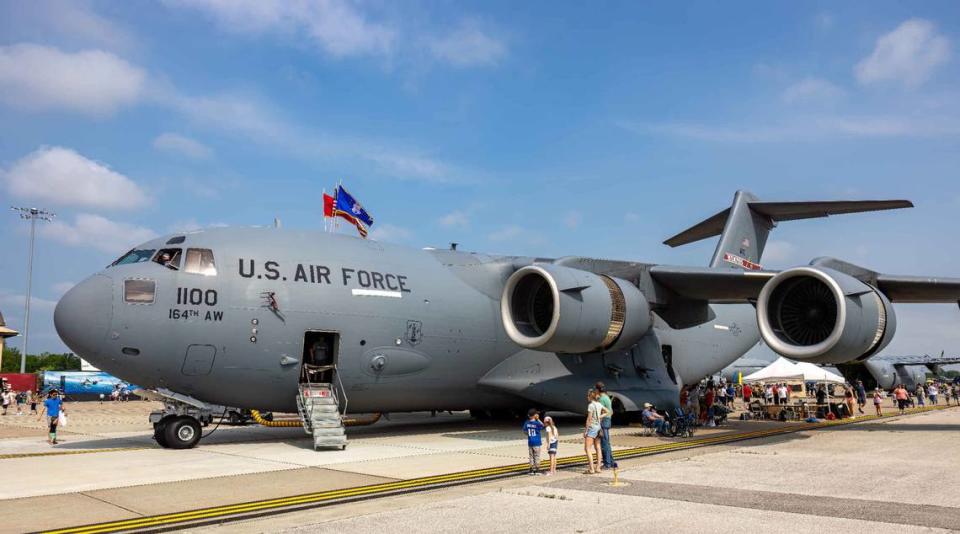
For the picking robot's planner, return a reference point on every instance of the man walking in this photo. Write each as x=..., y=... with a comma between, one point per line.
x=605, y=424
x=861, y=396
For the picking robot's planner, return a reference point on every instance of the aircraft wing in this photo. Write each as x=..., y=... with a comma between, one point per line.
x=711, y=284
x=920, y=360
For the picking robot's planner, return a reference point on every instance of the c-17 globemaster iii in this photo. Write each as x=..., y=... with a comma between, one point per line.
x=320, y=323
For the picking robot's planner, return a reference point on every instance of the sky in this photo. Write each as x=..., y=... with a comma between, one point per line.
x=533, y=128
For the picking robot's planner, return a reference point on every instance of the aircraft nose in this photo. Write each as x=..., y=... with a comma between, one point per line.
x=83, y=315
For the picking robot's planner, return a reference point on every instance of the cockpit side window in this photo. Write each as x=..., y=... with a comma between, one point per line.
x=135, y=256
x=200, y=261
x=169, y=258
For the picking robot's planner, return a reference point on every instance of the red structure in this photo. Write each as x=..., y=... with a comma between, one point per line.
x=20, y=381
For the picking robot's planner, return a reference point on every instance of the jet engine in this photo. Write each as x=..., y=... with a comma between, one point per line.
x=821, y=315
x=560, y=309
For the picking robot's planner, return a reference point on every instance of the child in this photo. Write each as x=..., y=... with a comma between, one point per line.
x=532, y=427
x=553, y=438
x=877, y=400
x=53, y=407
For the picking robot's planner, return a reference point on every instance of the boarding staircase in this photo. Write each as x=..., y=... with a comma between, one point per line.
x=321, y=413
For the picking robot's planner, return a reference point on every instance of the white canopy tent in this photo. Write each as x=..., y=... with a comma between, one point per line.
x=780, y=370
x=783, y=370
x=815, y=373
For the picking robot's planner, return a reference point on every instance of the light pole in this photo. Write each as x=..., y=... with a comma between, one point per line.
x=31, y=214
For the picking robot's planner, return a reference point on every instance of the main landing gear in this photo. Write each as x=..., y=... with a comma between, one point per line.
x=180, y=424
x=177, y=432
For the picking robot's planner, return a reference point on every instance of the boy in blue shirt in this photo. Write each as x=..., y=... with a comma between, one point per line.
x=532, y=428
x=52, y=406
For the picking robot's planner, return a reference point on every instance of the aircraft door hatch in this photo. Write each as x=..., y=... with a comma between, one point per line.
x=319, y=356
x=199, y=360
x=667, y=351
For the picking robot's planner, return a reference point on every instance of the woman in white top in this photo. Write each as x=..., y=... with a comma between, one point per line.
x=553, y=439
x=591, y=431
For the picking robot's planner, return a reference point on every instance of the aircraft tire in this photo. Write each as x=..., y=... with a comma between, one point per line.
x=159, y=434
x=182, y=432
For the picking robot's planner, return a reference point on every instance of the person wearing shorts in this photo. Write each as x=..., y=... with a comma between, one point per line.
x=591, y=431
x=901, y=395
x=553, y=439
x=53, y=407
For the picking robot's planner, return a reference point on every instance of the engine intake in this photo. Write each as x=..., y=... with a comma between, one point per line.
x=559, y=309
x=823, y=316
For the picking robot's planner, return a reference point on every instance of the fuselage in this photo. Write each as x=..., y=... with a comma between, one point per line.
x=414, y=329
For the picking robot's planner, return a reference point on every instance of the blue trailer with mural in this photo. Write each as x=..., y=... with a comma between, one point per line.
x=83, y=385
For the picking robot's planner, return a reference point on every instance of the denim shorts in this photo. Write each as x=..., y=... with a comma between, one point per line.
x=552, y=449
x=593, y=431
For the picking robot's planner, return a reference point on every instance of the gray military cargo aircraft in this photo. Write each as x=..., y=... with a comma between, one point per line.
x=887, y=371
x=244, y=316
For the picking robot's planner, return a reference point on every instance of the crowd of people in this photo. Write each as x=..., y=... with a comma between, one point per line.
x=18, y=399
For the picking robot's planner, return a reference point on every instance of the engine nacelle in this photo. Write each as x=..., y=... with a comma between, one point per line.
x=821, y=315
x=559, y=309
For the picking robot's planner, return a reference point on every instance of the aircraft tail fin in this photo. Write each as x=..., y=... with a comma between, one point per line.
x=744, y=226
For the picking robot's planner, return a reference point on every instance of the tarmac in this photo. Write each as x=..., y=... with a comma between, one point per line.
x=861, y=477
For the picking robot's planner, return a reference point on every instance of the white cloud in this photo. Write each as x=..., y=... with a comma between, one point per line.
x=468, y=46
x=807, y=129
x=16, y=302
x=812, y=90
x=92, y=82
x=256, y=120
x=71, y=19
x=507, y=233
x=455, y=218
x=779, y=252
x=336, y=26
x=907, y=55
x=63, y=177
x=184, y=146
x=573, y=219
x=88, y=230
x=389, y=232
x=60, y=288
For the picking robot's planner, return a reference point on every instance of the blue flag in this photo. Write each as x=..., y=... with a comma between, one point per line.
x=345, y=203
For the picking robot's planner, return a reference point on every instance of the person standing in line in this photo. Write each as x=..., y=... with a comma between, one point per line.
x=532, y=427
x=591, y=432
x=932, y=393
x=861, y=396
x=53, y=407
x=901, y=395
x=605, y=424
x=877, y=402
x=553, y=440
x=849, y=398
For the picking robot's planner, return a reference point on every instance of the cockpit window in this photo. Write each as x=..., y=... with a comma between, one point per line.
x=135, y=256
x=139, y=291
x=169, y=258
x=200, y=261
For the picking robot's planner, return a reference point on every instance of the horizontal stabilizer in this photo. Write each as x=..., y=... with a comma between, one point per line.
x=783, y=211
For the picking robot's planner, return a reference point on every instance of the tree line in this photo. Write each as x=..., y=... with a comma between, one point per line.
x=39, y=362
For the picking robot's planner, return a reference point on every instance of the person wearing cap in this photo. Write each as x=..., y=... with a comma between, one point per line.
x=53, y=407
x=652, y=418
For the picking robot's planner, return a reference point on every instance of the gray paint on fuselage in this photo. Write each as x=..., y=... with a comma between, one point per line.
x=453, y=296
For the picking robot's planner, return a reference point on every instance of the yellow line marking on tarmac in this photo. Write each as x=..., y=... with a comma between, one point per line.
x=14, y=456
x=278, y=504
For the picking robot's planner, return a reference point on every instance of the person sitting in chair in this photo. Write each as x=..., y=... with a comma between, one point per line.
x=652, y=419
